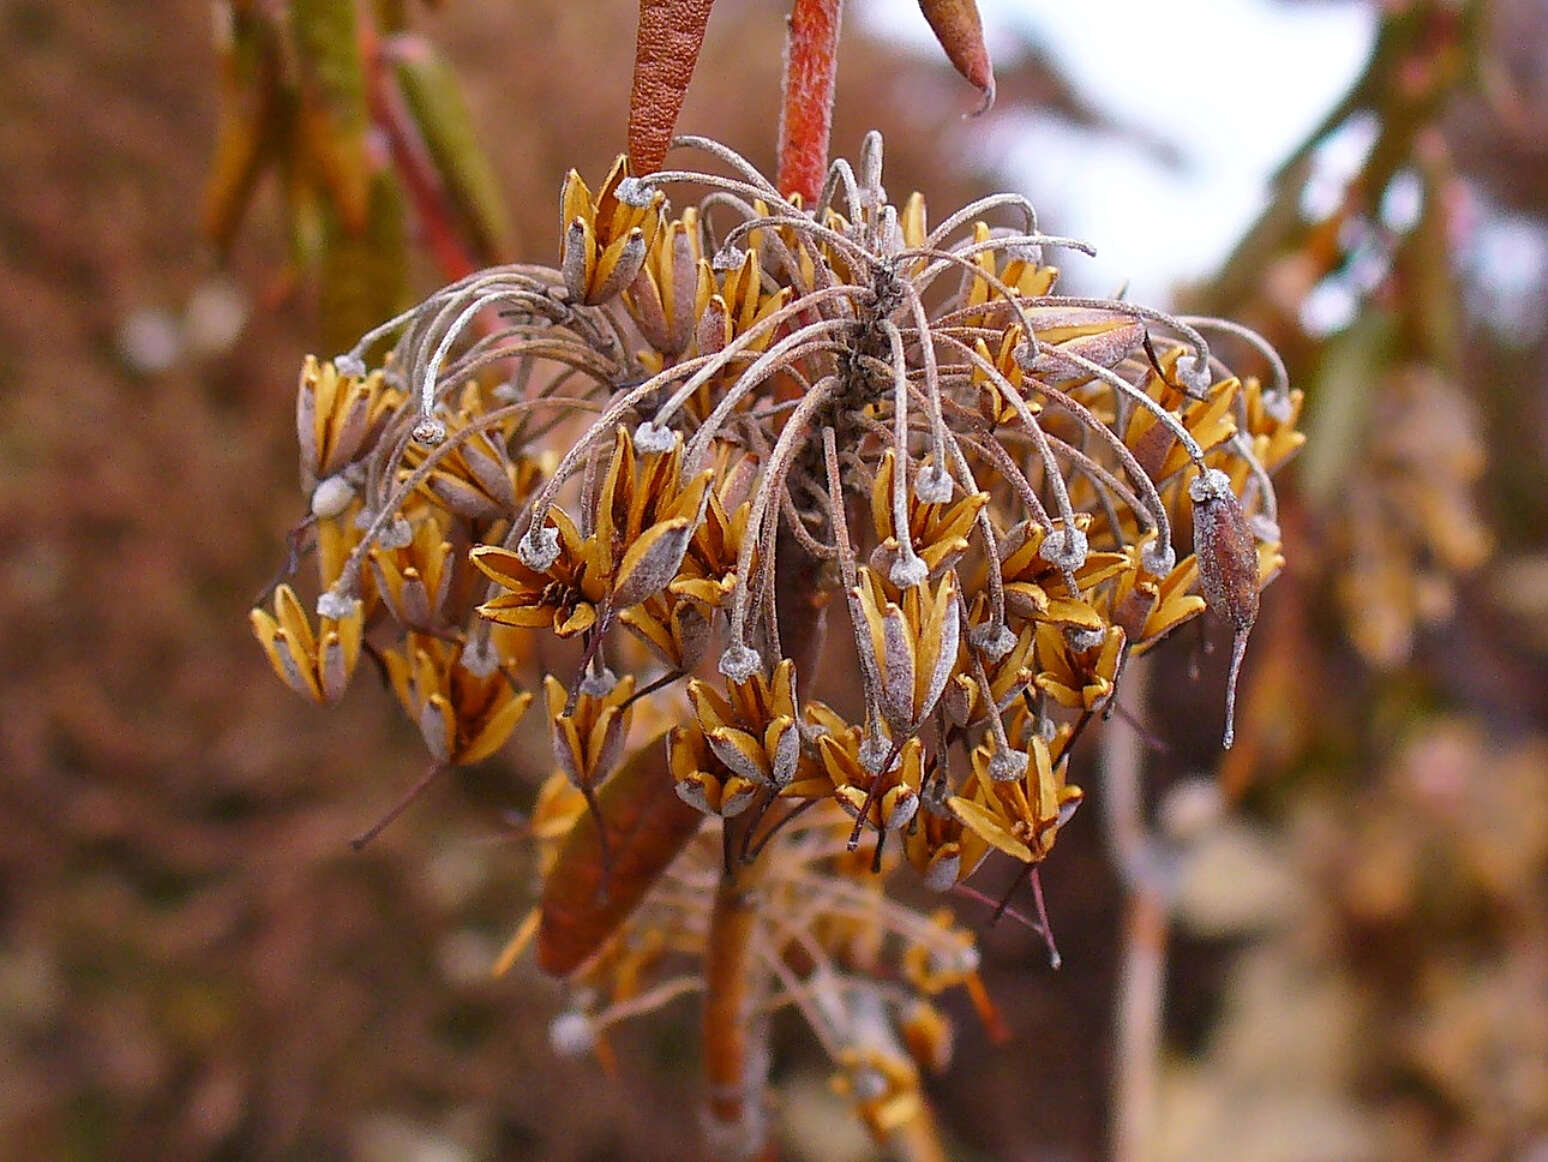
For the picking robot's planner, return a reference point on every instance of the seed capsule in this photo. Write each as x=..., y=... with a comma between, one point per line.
x=1228, y=568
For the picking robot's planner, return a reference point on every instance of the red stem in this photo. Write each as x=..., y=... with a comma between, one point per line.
x=412, y=160
x=806, y=118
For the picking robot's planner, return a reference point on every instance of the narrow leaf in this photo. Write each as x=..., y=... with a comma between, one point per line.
x=666, y=48
x=957, y=26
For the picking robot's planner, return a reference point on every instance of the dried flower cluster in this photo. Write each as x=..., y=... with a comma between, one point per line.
x=685, y=452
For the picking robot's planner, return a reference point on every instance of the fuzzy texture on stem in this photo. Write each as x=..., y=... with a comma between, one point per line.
x=806, y=116
x=666, y=48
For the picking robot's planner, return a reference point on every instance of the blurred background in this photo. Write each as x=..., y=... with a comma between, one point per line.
x=193, y=964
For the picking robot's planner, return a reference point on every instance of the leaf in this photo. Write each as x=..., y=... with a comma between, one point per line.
x=957, y=26
x=666, y=48
x=647, y=826
x=436, y=103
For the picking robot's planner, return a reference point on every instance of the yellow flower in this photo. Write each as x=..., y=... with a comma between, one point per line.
x=338, y=417
x=1148, y=608
x=1080, y=678
x=752, y=730
x=1018, y=816
x=912, y=645
x=563, y=597
x=315, y=665
x=465, y=709
x=606, y=236
x=938, y=532
x=415, y=581
x=477, y=479
x=589, y=737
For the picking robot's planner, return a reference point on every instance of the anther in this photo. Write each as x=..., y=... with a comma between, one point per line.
x=728, y=258
x=1082, y=639
x=1006, y=766
x=349, y=364
x=650, y=437
x=571, y=1034
x=635, y=193
x=336, y=604
x=908, y=570
x=1194, y=375
x=993, y=641
x=1158, y=559
x=396, y=534
x=598, y=683
x=429, y=431
x=479, y=657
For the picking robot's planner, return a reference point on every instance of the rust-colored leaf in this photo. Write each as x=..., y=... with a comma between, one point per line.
x=666, y=48
x=961, y=33
x=806, y=117
x=647, y=826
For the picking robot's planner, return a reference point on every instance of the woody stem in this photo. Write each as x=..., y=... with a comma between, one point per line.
x=735, y=1026
x=806, y=117
x=1144, y=934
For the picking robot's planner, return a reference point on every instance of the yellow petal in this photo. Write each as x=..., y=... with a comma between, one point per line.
x=988, y=827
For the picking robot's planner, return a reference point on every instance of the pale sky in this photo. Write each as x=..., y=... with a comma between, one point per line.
x=1233, y=85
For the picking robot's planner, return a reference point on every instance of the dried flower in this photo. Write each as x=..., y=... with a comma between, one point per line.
x=692, y=411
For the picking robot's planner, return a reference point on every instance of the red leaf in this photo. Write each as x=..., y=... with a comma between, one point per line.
x=806, y=120
x=666, y=48
x=957, y=26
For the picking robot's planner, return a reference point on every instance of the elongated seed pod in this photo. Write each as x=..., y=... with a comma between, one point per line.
x=647, y=826
x=1228, y=569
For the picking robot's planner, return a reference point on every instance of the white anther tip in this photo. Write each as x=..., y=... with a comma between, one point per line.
x=571, y=1034
x=1158, y=559
x=906, y=572
x=331, y=497
x=993, y=641
x=349, y=364
x=336, y=605
x=1007, y=765
x=1194, y=374
x=932, y=486
x=1064, y=548
x=635, y=193
x=1211, y=484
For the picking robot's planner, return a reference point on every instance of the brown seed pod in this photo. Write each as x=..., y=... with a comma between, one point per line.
x=1228, y=568
x=647, y=826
